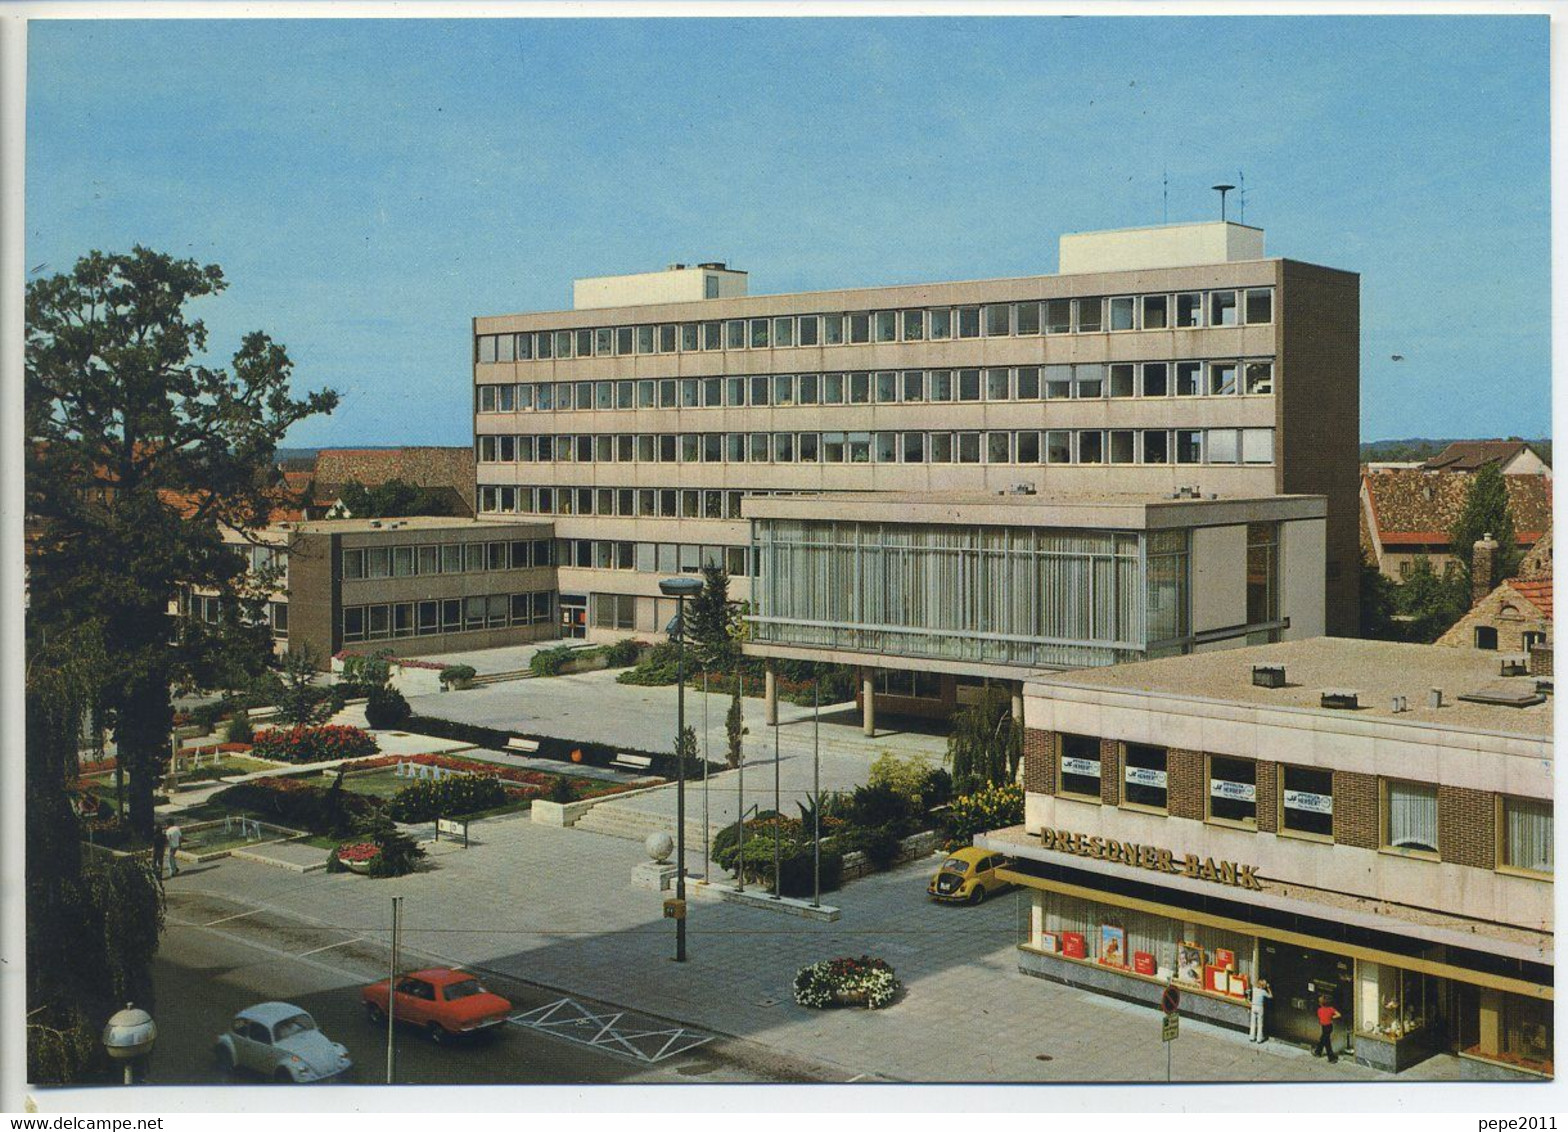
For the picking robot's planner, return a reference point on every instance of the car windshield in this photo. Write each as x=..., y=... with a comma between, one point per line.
x=465, y=989
x=298, y=1024
x=956, y=865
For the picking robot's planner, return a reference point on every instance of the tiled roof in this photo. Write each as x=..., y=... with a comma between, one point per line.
x=422, y=467
x=1469, y=455
x=1414, y=507
x=1536, y=591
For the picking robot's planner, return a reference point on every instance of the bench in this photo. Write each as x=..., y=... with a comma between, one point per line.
x=631, y=762
x=528, y=746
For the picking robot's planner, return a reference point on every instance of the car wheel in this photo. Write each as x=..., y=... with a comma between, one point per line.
x=439, y=1035
x=978, y=895
x=225, y=1057
x=375, y=1013
x=282, y=1077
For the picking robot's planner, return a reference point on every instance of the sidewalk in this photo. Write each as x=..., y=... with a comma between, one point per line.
x=556, y=906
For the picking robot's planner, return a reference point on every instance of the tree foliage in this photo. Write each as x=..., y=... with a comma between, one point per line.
x=1486, y=512
x=986, y=743
x=1379, y=598
x=139, y=449
x=734, y=729
x=1429, y=603
x=303, y=702
x=712, y=622
x=393, y=499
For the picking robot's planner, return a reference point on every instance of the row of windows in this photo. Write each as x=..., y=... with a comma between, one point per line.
x=1185, y=310
x=454, y=615
x=654, y=557
x=1408, y=811
x=444, y=558
x=209, y=609
x=1032, y=446
x=1197, y=377
x=265, y=559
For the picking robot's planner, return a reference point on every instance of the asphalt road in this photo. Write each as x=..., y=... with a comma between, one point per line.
x=218, y=956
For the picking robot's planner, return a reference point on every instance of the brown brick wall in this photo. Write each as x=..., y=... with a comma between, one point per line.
x=1039, y=761
x=1467, y=826
x=1185, y=784
x=1268, y=797
x=1541, y=660
x=1355, y=809
x=1110, y=772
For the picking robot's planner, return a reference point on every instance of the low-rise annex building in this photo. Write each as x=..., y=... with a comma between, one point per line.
x=1358, y=819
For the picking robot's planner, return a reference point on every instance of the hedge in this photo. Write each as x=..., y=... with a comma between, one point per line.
x=299, y=805
x=449, y=797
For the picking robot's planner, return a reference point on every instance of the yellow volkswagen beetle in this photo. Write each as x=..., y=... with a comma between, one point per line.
x=968, y=876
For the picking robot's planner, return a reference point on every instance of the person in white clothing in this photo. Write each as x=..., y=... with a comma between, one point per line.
x=175, y=836
x=1260, y=995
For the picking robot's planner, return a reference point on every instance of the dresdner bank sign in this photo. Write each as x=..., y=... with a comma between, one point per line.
x=1150, y=857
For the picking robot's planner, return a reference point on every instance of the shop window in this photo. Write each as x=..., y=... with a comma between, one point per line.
x=1392, y=1004
x=1306, y=801
x=1143, y=773
x=1409, y=815
x=1526, y=834
x=1078, y=766
x=1233, y=791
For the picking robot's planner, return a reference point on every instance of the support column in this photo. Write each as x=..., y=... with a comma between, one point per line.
x=770, y=692
x=1490, y=1028
x=868, y=702
x=1018, y=703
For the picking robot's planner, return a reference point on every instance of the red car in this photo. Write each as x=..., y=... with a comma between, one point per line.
x=444, y=1002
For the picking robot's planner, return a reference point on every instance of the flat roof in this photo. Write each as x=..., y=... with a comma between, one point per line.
x=1376, y=670
x=412, y=523
x=1098, y=510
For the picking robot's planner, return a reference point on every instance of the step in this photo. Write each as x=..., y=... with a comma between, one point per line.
x=486, y=678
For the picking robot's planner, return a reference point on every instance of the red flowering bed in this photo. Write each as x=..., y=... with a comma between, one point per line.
x=434, y=667
x=91, y=768
x=313, y=744
x=357, y=852
x=221, y=748
x=530, y=783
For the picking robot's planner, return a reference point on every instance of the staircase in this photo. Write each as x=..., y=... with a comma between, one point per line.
x=500, y=677
x=635, y=825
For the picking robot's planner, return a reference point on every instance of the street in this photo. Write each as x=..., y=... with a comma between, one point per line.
x=216, y=958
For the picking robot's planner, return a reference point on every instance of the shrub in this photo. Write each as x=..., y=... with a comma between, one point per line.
x=386, y=708
x=399, y=854
x=240, y=730
x=624, y=652
x=881, y=847
x=936, y=789
x=457, y=674
x=562, y=790
x=206, y=716
x=794, y=865
x=903, y=776
x=873, y=806
x=836, y=982
x=656, y=666
x=313, y=744
x=448, y=797
x=994, y=807
x=723, y=844
x=549, y=662
x=296, y=804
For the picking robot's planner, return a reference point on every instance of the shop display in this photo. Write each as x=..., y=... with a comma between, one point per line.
x=1049, y=942
x=1189, y=963
x=1143, y=963
x=1073, y=945
x=1113, y=945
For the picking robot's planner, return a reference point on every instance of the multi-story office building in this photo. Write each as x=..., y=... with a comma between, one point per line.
x=414, y=586
x=1358, y=819
x=1157, y=359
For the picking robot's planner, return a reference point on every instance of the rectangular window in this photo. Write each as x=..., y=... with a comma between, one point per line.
x=832, y=447
x=1058, y=316
x=1410, y=816
x=506, y=348
x=1028, y=383
x=810, y=444
x=1091, y=447
x=941, y=385
x=1155, y=379
x=969, y=322
x=1089, y=315
x=860, y=389
x=886, y=386
x=885, y=447
x=860, y=327
x=378, y=625
x=969, y=448
x=402, y=562
x=584, y=395
x=914, y=385
x=759, y=391
x=1233, y=790
x=1028, y=447
x=1222, y=308
x=1078, y=766
x=1089, y=381
x=914, y=447
x=525, y=397
x=645, y=339
x=735, y=334
x=1189, y=310
x=833, y=330
x=860, y=448
x=604, y=341
x=647, y=394
x=1122, y=446
x=1143, y=775
x=1257, y=446
x=542, y=348
x=1189, y=379
x=914, y=326
x=429, y=560
x=1260, y=306
x=886, y=326
x=998, y=448
x=667, y=338
x=1223, y=446
x=832, y=389
x=603, y=395
x=487, y=398
x=806, y=388
x=941, y=448
x=735, y=392
x=1260, y=377
x=998, y=385
x=784, y=447
x=354, y=623
x=1156, y=312
x=1122, y=379
x=584, y=343
x=525, y=347
x=1526, y=829
x=808, y=327
x=451, y=558
x=759, y=333
x=691, y=392
x=378, y=562
x=784, y=389
x=1306, y=801
x=353, y=564
x=998, y=320
x=969, y=385
x=690, y=337
x=486, y=348
x=623, y=339
x=1122, y=313
x=1156, y=446
x=1222, y=378
x=1058, y=382
x=669, y=393
x=757, y=447
x=473, y=557
x=1058, y=447
x=1026, y=317
x=941, y=324
x=712, y=336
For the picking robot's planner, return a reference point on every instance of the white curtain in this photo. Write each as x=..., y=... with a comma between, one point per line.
x=1412, y=816
x=1528, y=827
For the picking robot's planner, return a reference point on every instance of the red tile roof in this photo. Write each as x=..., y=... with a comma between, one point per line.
x=1470, y=455
x=1537, y=591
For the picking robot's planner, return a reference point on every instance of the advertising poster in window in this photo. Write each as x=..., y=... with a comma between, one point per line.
x=1189, y=962
x=1113, y=945
x=1087, y=767
x=1144, y=776
x=1309, y=802
x=1233, y=791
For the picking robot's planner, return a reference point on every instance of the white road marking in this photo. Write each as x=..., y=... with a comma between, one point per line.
x=226, y=919
x=330, y=946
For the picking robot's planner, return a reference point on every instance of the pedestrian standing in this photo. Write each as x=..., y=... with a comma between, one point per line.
x=1261, y=993
x=1326, y=1017
x=175, y=836
x=160, y=844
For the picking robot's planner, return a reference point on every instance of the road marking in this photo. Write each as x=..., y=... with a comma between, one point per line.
x=330, y=946
x=226, y=919
x=855, y=1078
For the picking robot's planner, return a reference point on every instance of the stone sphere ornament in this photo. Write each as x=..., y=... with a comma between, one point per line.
x=659, y=846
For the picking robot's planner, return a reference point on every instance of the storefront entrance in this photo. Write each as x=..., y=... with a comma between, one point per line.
x=1298, y=976
x=574, y=616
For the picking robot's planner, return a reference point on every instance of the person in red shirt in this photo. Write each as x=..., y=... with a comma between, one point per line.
x=1326, y=1017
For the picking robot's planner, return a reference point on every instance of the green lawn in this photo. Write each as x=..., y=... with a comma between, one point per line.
x=381, y=783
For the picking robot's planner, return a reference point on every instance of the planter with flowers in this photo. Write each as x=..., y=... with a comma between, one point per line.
x=356, y=856
x=865, y=982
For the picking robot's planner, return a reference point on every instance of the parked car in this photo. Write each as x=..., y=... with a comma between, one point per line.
x=281, y=1042
x=969, y=876
x=443, y=1002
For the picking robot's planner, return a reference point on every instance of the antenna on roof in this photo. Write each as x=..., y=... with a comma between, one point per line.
x=1222, y=190
x=1241, y=197
x=1165, y=195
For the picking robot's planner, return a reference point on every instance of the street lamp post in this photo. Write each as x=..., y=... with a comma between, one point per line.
x=680, y=589
x=128, y=1037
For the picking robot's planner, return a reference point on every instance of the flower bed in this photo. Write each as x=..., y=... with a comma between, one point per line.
x=513, y=777
x=847, y=982
x=356, y=856
x=313, y=744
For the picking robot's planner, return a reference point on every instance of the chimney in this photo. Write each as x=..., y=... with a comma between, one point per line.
x=1481, y=563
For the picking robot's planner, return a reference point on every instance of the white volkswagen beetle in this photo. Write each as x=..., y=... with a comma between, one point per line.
x=281, y=1042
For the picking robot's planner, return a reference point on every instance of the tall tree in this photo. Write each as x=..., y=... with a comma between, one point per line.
x=1379, y=597
x=713, y=621
x=1486, y=512
x=392, y=499
x=986, y=743
x=140, y=449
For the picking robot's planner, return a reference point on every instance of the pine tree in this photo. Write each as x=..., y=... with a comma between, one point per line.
x=711, y=622
x=734, y=727
x=1486, y=512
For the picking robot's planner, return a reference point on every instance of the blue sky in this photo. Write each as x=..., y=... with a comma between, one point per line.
x=369, y=186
